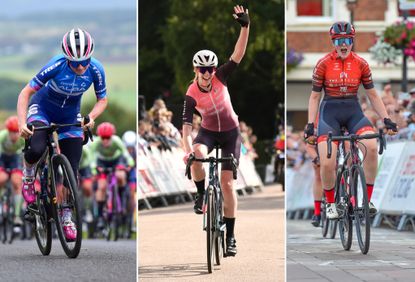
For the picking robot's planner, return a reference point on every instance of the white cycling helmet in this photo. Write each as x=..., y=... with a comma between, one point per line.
x=129, y=138
x=205, y=58
x=77, y=45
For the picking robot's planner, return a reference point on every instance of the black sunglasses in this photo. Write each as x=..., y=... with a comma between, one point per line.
x=208, y=69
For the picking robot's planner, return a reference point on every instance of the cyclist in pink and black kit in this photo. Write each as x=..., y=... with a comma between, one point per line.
x=208, y=94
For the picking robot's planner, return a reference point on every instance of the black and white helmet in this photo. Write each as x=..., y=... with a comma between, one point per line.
x=205, y=58
x=77, y=45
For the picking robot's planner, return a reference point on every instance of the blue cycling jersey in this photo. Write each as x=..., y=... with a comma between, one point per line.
x=59, y=93
x=58, y=86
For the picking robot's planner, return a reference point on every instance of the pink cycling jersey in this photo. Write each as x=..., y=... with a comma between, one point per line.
x=214, y=106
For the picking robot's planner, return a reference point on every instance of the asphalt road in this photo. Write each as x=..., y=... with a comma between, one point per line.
x=311, y=258
x=98, y=261
x=172, y=244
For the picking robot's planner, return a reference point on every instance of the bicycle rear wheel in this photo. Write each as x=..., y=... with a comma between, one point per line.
x=361, y=208
x=342, y=201
x=210, y=234
x=64, y=195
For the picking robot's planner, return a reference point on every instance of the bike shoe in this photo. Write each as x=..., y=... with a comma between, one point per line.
x=372, y=209
x=331, y=211
x=198, y=207
x=28, y=190
x=68, y=225
x=231, y=246
x=315, y=220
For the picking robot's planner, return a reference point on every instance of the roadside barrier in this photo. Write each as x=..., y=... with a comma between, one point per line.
x=393, y=194
x=161, y=173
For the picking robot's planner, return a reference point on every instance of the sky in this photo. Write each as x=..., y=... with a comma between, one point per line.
x=13, y=8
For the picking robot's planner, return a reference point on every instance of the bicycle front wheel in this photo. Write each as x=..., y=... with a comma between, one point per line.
x=43, y=229
x=66, y=204
x=210, y=233
x=360, y=208
x=343, y=201
x=220, y=231
x=324, y=220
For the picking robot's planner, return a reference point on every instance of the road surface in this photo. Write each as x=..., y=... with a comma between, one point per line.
x=172, y=244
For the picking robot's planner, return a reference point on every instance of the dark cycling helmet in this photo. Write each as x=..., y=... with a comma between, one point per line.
x=342, y=29
x=12, y=124
x=105, y=130
x=77, y=45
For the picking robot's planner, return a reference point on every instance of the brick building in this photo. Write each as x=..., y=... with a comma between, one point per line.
x=307, y=25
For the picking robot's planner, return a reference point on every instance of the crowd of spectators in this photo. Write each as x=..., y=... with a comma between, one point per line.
x=400, y=107
x=156, y=128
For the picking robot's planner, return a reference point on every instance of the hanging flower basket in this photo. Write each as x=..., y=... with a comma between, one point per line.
x=401, y=35
x=293, y=59
x=385, y=53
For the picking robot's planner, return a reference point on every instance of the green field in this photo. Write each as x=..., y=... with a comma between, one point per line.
x=121, y=80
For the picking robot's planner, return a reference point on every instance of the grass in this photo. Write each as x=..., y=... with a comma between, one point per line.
x=121, y=79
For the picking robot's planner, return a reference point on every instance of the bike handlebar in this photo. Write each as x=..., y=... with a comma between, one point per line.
x=354, y=137
x=192, y=159
x=53, y=127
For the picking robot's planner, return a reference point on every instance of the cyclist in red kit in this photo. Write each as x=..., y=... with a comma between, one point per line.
x=208, y=94
x=340, y=74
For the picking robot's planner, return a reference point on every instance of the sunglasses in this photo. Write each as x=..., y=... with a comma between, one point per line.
x=82, y=63
x=340, y=41
x=208, y=69
x=105, y=138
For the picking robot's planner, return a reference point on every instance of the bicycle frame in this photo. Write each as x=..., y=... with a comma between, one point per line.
x=214, y=187
x=111, y=183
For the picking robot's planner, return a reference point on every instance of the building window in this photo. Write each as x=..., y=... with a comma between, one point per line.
x=314, y=8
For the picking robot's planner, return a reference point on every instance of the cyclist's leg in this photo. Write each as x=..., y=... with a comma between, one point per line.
x=230, y=142
x=72, y=148
x=15, y=166
x=101, y=193
x=4, y=176
x=317, y=185
x=360, y=125
x=328, y=122
x=202, y=145
x=33, y=153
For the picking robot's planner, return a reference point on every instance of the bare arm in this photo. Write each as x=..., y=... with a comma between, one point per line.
x=377, y=103
x=96, y=111
x=187, y=138
x=22, y=104
x=313, y=104
x=240, y=46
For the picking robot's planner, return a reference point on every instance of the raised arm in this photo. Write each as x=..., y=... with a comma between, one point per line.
x=242, y=17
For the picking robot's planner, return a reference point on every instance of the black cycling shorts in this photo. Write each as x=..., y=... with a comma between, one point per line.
x=337, y=113
x=229, y=142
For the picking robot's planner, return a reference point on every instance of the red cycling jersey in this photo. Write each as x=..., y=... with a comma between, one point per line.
x=341, y=78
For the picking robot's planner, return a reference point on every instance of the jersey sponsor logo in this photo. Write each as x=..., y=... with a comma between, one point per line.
x=99, y=75
x=343, y=74
x=52, y=67
x=343, y=89
x=33, y=109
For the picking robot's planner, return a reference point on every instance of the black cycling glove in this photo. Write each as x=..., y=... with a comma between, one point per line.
x=390, y=125
x=243, y=19
x=309, y=130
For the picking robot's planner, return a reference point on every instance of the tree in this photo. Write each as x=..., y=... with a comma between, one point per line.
x=258, y=84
